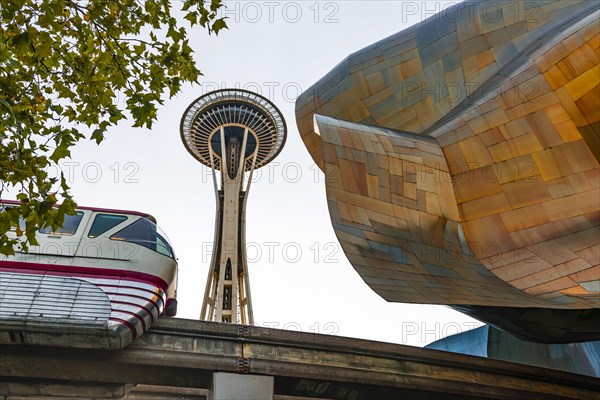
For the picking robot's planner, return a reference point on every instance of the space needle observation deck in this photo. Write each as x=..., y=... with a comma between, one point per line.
x=233, y=132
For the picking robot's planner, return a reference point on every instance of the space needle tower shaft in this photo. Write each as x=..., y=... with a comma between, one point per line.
x=233, y=132
x=229, y=273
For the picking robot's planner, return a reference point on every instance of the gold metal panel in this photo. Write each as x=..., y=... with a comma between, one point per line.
x=507, y=168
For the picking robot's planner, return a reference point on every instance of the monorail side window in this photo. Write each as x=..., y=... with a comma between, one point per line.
x=70, y=225
x=103, y=223
x=145, y=233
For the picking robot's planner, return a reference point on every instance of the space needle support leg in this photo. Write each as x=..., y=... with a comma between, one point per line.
x=242, y=267
x=210, y=291
x=245, y=296
x=226, y=240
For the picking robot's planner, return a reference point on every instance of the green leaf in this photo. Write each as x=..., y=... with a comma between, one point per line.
x=60, y=152
x=192, y=17
x=98, y=135
x=218, y=25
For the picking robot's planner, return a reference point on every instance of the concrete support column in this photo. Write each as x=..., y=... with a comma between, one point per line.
x=227, y=386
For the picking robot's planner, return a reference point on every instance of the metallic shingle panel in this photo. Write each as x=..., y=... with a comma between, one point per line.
x=53, y=298
x=471, y=143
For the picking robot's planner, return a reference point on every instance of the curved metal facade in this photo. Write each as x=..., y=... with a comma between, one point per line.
x=486, y=341
x=461, y=163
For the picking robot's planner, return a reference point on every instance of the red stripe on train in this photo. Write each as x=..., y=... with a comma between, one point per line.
x=55, y=269
x=127, y=324
x=142, y=308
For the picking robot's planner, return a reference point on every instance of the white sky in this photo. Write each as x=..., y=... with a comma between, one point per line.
x=300, y=278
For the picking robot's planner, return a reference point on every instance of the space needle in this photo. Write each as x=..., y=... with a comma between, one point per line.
x=233, y=132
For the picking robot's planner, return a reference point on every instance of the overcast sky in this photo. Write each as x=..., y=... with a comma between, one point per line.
x=299, y=276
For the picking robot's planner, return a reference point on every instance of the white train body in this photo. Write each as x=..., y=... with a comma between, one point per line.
x=98, y=282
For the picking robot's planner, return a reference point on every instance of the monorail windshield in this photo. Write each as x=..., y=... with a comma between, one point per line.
x=146, y=233
x=103, y=223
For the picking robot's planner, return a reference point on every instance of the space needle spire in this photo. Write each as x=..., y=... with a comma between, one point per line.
x=233, y=132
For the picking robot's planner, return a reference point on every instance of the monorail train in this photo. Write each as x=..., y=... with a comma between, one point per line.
x=97, y=282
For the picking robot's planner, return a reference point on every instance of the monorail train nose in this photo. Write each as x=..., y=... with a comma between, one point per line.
x=99, y=281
